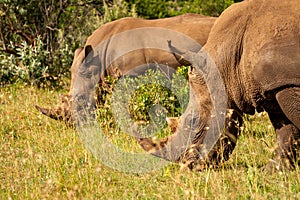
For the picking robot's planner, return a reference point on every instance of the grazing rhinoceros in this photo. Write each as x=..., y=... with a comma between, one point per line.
x=194, y=26
x=255, y=45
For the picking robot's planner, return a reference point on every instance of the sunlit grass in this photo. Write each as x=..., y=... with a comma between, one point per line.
x=43, y=159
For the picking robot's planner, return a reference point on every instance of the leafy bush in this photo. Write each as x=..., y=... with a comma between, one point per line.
x=117, y=10
x=144, y=96
x=28, y=27
x=27, y=66
x=152, y=9
x=156, y=93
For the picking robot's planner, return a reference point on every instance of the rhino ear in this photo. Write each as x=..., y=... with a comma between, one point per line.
x=184, y=57
x=77, y=52
x=88, y=53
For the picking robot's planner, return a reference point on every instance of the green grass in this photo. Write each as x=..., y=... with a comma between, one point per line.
x=43, y=159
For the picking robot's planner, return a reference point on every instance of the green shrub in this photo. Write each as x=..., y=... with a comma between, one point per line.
x=148, y=90
x=28, y=66
x=159, y=90
x=46, y=60
x=117, y=10
x=152, y=9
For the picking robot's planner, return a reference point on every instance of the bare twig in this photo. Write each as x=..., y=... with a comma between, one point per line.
x=9, y=51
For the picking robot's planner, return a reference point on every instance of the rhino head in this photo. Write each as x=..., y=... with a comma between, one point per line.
x=207, y=127
x=63, y=110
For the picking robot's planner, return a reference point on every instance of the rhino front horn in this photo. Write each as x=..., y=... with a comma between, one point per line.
x=56, y=114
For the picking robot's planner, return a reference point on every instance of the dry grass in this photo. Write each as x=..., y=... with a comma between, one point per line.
x=43, y=159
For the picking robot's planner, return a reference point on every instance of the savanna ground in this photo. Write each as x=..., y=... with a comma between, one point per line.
x=43, y=159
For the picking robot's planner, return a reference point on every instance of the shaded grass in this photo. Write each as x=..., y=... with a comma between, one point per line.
x=43, y=159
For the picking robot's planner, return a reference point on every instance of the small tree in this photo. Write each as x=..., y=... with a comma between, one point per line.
x=60, y=26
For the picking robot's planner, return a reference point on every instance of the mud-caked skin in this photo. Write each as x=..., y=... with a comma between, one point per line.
x=256, y=46
x=194, y=26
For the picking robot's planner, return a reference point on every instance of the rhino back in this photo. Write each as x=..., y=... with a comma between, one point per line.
x=272, y=48
x=194, y=25
x=243, y=39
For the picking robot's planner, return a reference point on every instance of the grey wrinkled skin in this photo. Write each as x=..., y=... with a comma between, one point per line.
x=256, y=47
x=194, y=26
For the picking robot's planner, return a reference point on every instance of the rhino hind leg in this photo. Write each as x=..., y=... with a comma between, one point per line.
x=289, y=101
x=286, y=125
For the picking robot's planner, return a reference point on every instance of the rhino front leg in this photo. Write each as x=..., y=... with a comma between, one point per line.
x=287, y=138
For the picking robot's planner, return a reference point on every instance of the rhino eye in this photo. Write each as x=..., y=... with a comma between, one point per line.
x=85, y=72
x=191, y=69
